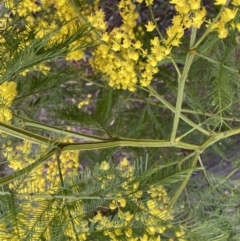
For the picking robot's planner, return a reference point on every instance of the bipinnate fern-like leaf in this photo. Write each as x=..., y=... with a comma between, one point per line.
x=208, y=208
x=67, y=212
x=72, y=114
x=223, y=89
x=100, y=119
x=40, y=50
x=119, y=200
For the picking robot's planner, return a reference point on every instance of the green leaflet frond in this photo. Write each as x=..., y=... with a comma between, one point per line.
x=207, y=231
x=67, y=212
x=40, y=50
x=213, y=83
x=169, y=173
x=224, y=83
x=8, y=210
x=39, y=84
x=155, y=120
x=105, y=111
x=72, y=114
x=223, y=91
x=47, y=212
x=206, y=210
x=235, y=161
x=100, y=119
x=51, y=216
x=210, y=42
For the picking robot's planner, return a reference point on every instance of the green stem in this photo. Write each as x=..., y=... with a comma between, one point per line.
x=204, y=170
x=207, y=114
x=209, y=29
x=25, y=135
x=195, y=112
x=42, y=126
x=185, y=158
x=176, y=68
x=62, y=184
x=184, y=183
x=216, y=62
x=231, y=173
x=172, y=108
x=59, y=167
x=211, y=140
x=193, y=37
x=188, y=62
x=210, y=115
x=219, y=136
x=55, y=196
x=155, y=22
x=186, y=133
x=116, y=142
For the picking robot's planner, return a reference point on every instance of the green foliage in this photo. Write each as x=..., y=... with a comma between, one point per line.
x=109, y=130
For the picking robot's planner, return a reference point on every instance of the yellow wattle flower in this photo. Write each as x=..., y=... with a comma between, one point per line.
x=8, y=91
x=236, y=3
x=6, y=115
x=220, y=2
x=150, y=26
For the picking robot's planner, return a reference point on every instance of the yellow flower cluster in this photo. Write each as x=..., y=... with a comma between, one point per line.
x=61, y=16
x=148, y=213
x=115, y=58
x=43, y=179
x=148, y=2
x=8, y=91
x=20, y=158
x=227, y=19
x=120, y=57
x=85, y=102
x=105, y=179
x=46, y=176
x=78, y=230
x=189, y=13
x=150, y=210
x=66, y=12
x=42, y=67
x=27, y=7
